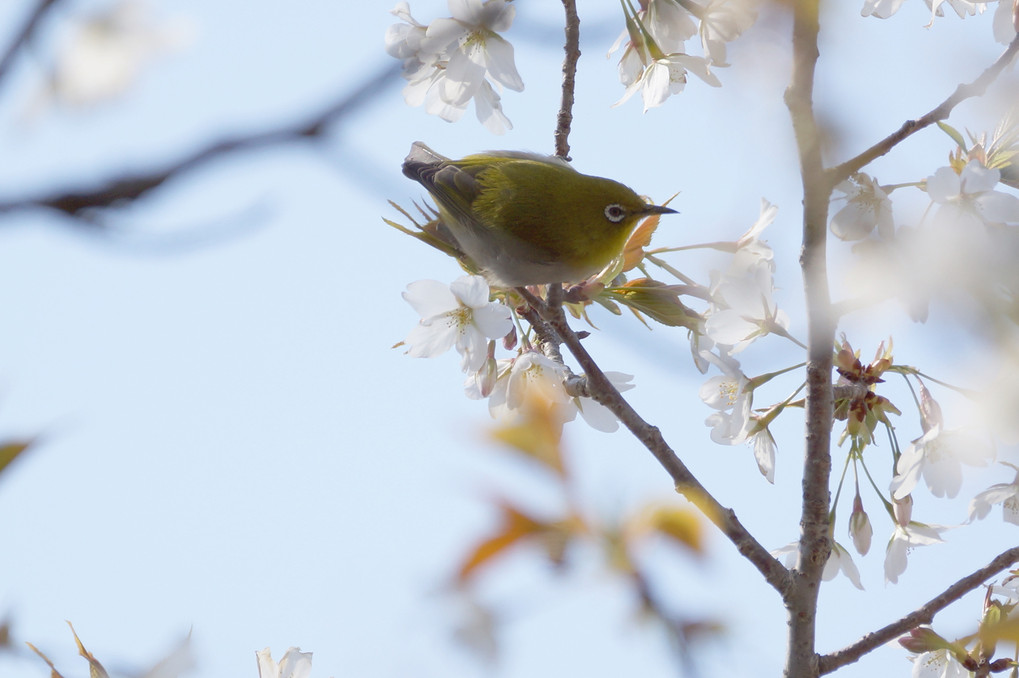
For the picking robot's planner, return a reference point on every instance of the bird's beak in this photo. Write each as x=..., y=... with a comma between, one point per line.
x=659, y=209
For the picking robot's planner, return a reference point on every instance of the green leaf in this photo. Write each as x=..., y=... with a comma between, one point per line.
x=952, y=132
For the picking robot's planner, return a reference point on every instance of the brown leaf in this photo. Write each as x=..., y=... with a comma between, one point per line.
x=516, y=526
x=10, y=450
x=538, y=434
x=681, y=525
x=95, y=669
x=53, y=669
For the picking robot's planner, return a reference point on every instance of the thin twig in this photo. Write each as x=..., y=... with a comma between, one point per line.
x=941, y=112
x=115, y=191
x=24, y=35
x=922, y=615
x=572, y=47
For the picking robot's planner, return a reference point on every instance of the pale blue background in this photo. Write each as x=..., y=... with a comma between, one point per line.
x=231, y=446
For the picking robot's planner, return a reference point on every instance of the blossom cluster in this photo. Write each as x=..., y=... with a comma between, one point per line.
x=655, y=60
x=462, y=315
x=457, y=59
x=1004, y=18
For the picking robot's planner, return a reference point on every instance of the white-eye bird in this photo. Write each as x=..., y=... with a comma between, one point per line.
x=527, y=219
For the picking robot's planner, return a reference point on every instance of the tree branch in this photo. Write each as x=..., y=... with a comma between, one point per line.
x=133, y=186
x=24, y=34
x=814, y=544
x=922, y=615
x=572, y=47
x=962, y=92
x=602, y=390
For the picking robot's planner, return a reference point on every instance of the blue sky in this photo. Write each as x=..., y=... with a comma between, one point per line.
x=231, y=447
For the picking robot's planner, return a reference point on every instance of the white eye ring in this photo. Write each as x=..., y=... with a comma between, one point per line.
x=615, y=213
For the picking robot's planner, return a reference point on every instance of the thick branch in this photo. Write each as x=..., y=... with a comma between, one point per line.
x=131, y=187
x=602, y=390
x=814, y=544
x=962, y=92
x=922, y=615
x=572, y=47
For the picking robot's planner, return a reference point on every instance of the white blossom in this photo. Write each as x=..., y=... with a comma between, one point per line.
x=295, y=664
x=903, y=540
x=456, y=315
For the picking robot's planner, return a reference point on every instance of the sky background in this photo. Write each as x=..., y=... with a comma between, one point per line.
x=231, y=447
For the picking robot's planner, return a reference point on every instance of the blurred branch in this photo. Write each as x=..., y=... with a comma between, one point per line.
x=922, y=615
x=23, y=35
x=565, y=118
x=962, y=92
x=132, y=186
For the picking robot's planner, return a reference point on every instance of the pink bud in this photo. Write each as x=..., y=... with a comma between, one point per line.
x=860, y=528
x=903, y=509
x=923, y=639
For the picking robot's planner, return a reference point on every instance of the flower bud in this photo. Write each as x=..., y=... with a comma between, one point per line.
x=860, y=528
x=923, y=639
x=903, y=509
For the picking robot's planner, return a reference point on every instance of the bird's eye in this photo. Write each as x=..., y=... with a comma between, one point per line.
x=615, y=213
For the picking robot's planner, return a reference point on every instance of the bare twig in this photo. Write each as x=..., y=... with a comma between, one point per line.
x=115, y=191
x=814, y=544
x=572, y=47
x=23, y=35
x=941, y=112
x=602, y=390
x=922, y=615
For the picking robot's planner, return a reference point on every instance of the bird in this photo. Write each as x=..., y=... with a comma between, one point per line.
x=529, y=219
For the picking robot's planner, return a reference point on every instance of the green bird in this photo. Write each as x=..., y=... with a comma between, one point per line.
x=528, y=219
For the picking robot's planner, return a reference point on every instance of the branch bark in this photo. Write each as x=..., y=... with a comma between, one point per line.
x=941, y=112
x=602, y=390
x=815, y=543
x=572, y=47
x=922, y=615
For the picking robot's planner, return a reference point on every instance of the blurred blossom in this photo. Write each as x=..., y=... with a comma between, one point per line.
x=456, y=59
x=295, y=664
x=968, y=199
x=1006, y=494
x=937, y=455
x=723, y=21
x=882, y=9
x=106, y=53
x=867, y=206
x=742, y=307
x=1004, y=24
